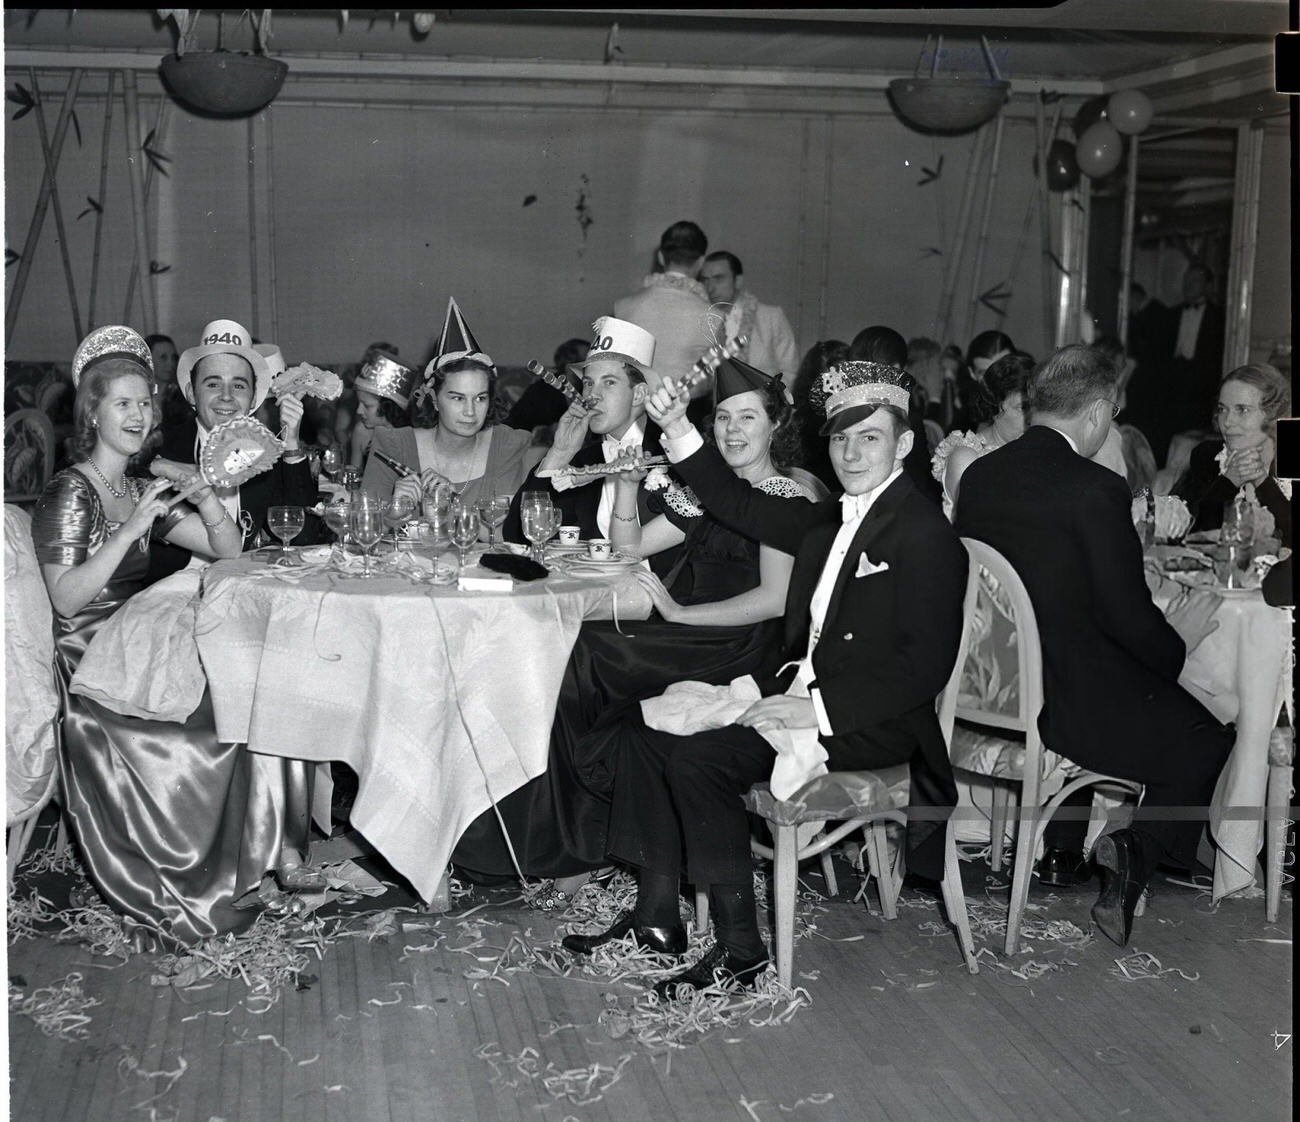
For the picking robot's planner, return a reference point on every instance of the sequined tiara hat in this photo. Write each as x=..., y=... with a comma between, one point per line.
x=224, y=337
x=110, y=341
x=384, y=376
x=852, y=391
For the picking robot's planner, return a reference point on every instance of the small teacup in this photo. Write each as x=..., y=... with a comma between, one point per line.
x=569, y=535
x=599, y=549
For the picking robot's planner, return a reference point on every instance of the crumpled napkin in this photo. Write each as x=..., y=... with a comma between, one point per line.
x=685, y=708
x=143, y=661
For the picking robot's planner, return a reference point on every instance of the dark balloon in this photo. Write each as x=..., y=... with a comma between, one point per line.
x=1090, y=112
x=1062, y=167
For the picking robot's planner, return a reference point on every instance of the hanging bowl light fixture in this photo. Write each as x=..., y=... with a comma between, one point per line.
x=223, y=83
x=948, y=105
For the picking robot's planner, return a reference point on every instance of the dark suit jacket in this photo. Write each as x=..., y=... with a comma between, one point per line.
x=889, y=640
x=1110, y=660
x=578, y=505
x=1206, y=492
x=1196, y=380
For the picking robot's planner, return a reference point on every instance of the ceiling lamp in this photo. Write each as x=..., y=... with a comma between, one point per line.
x=948, y=105
x=222, y=83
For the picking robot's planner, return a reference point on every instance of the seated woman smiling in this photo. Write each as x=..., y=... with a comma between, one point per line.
x=717, y=617
x=173, y=825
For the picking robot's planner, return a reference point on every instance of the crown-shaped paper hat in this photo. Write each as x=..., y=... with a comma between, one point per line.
x=112, y=341
x=384, y=376
x=733, y=377
x=457, y=342
x=852, y=391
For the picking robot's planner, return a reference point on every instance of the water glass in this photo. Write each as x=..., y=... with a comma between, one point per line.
x=336, y=518
x=331, y=460
x=399, y=511
x=366, y=521
x=539, y=524
x=286, y=523
x=493, y=512
x=464, y=528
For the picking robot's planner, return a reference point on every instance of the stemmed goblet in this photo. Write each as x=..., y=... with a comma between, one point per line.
x=464, y=528
x=336, y=518
x=286, y=523
x=366, y=521
x=539, y=524
x=399, y=511
x=493, y=512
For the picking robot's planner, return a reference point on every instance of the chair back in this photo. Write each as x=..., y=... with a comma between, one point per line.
x=810, y=483
x=31, y=697
x=998, y=677
x=29, y=454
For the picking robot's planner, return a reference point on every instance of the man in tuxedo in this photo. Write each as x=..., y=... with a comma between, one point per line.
x=224, y=377
x=872, y=623
x=1111, y=699
x=616, y=376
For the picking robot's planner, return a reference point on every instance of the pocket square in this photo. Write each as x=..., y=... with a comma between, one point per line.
x=866, y=568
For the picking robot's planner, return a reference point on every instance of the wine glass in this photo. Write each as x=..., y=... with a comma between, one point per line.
x=336, y=518
x=464, y=528
x=493, y=512
x=539, y=523
x=397, y=513
x=331, y=460
x=351, y=479
x=366, y=520
x=286, y=523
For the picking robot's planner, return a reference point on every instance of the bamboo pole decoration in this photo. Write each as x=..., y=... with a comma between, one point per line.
x=273, y=280
x=134, y=159
x=134, y=274
x=1126, y=248
x=102, y=199
x=252, y=225
x=1051, y=279
x=981, y=246
x=42, y=205
x=57, y=202
x=953, y=265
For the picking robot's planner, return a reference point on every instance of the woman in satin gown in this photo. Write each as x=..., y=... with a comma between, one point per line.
x=717, y=616
x=173, y=826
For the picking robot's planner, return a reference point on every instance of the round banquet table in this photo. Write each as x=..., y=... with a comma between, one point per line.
x=1241, y=672
x=439, y=700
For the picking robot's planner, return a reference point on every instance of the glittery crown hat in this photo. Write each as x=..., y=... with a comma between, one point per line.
x=852, y=391
x=112, y=341
x=224, y=337
x=457, y=342
x=735, y=377
x=384, y=376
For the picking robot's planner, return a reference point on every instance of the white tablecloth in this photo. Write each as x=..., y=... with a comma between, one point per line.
x=433, y=697
x=1241, y=672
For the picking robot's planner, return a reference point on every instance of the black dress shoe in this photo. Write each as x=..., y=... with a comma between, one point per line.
x=1119, y=857
x=665, y=940
x=1062, y=868
x=719, y=967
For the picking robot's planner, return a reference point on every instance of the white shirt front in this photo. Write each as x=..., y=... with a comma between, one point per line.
x=1189, y=327
x=611, y=448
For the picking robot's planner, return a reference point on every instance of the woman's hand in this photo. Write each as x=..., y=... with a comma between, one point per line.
x=666, y=406
x=410, y=487
x=630, y=469
x=664, y=604
x=149, y=509
x=182, y=475
x=290, y=420
x=1247, y=465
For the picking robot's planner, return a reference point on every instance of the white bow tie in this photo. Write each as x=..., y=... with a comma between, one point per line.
x=853, y=507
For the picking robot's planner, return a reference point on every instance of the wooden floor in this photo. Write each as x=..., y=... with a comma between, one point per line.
x=893, y=1027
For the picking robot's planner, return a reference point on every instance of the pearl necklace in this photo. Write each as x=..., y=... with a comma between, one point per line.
x=117, y=493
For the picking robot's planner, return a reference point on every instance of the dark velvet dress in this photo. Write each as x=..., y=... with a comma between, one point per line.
x=173, y=825
x=558, y=822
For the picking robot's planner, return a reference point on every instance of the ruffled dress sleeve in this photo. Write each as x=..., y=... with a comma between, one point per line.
x=68, y=522
x=949, y=444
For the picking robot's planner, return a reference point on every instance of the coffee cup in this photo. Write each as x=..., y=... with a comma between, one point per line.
x=599, y=549
x=569, y=535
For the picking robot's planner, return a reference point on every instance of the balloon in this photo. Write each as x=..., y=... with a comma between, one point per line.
x=1062, y=167
x=1090, y=112
x=1130, y=111
x=1099, y=150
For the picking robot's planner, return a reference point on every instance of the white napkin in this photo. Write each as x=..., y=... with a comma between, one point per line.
x=685, y=708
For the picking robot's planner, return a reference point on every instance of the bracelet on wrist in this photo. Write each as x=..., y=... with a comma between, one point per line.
x=215, y=523
x=625, y=517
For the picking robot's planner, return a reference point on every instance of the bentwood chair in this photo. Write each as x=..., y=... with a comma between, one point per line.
x=999, y=692
x=1281, y=761
x=29, y=455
